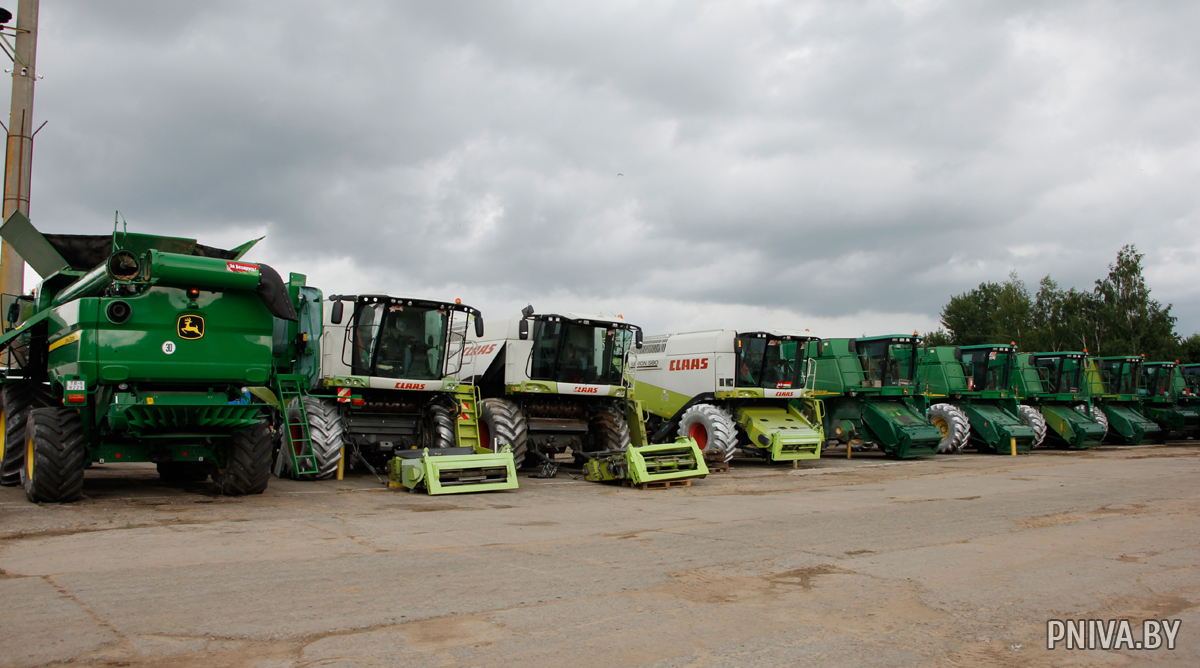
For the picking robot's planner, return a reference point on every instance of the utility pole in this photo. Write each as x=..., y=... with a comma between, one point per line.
x=19, y=158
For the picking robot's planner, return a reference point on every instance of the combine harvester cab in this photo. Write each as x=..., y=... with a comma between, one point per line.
x=730, y=390
x=1187, y=388
x=1053, y=386
x=1162, y=403
x=373, y=384
x=137, y=348
x=553, y=383
x=968, y=395
x=1114, y=386
x=869, y=392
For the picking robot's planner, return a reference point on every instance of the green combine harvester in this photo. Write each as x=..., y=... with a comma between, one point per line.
x=373, y=386
x=1161, y=401
x=1054, y=385
x=1113, y=383
x=137, y=348
x=1187, y=387
x=968, y=395
x=869, y=391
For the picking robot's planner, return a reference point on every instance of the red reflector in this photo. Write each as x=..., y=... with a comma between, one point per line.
x=358, y=401
x=76, y=398
x=118, y=455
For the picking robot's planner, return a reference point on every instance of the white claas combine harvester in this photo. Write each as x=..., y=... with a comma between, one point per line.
x=554, y=384
x=732, y=390
x=368, y=381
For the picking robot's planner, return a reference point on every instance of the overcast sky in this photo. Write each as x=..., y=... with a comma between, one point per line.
x=839, y=166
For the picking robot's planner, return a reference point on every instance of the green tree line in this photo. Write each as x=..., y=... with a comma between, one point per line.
x=1116, y=317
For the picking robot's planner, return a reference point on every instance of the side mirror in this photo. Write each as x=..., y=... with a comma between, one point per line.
x=523, y=329
x=958, y=354
x=14, y=314
x=852, y=346
x=479, y=327
x=1031, y=362
x=338, y=311
x=637, y=338
x=527, y=311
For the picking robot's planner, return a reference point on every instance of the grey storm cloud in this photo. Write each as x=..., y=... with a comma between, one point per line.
x=825, y=159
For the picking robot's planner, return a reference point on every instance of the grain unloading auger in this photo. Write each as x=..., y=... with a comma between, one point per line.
x=869, y=391
x=1113, y=384
x=376, y=389
x=555, y=383
x=730, y=391
x=1054, y=385
x=968, y=394
x=137, y=348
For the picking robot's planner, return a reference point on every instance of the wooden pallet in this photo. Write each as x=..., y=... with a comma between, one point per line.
x=718, y=467
x=659, y=484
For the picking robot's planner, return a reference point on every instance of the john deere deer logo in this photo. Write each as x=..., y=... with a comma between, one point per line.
x=190, y=327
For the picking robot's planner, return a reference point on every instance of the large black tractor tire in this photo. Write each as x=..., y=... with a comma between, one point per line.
x=182, y=471
x=608, y=431
x=713, y=429
x=503, y=421
x=1097, y=414
x=55, y=456
x=247, y=462
x=327, y=431
x=1034, y=419
x=437, y=427
x=18, y=399
x=954, y=425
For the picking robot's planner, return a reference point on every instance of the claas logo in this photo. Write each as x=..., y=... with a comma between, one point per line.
x=190, y=327
x=688, y=364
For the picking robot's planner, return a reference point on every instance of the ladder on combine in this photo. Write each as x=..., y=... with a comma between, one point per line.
x=466, y=423
x=296, y=438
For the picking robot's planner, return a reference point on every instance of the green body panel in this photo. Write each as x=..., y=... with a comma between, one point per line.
x=235, y=347
x=902, y=429
x=659, y=401
x=992, y=427
x=785, y=433
x=1127, y=425
x=857, y=408
x=1069, y=427
x=1172, y=417
x=484, y=471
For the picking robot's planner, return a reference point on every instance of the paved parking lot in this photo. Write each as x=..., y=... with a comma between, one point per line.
x=952, y=561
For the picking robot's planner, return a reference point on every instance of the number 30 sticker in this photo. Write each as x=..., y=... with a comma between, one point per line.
x=168, y=347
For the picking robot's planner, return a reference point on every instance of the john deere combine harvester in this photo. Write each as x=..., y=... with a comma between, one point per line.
x=732, y=390
x=555, y=382
x=377, y=389
x=136, y=348
x=1113, y=383
x=1054, y=385
x=1161, y=401
x=869, y=392
x=968, y=395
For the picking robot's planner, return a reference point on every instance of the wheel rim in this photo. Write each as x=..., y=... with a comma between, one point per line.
x=29, y=453
x=699, y=434
x=485, y=435
x=942, y=426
